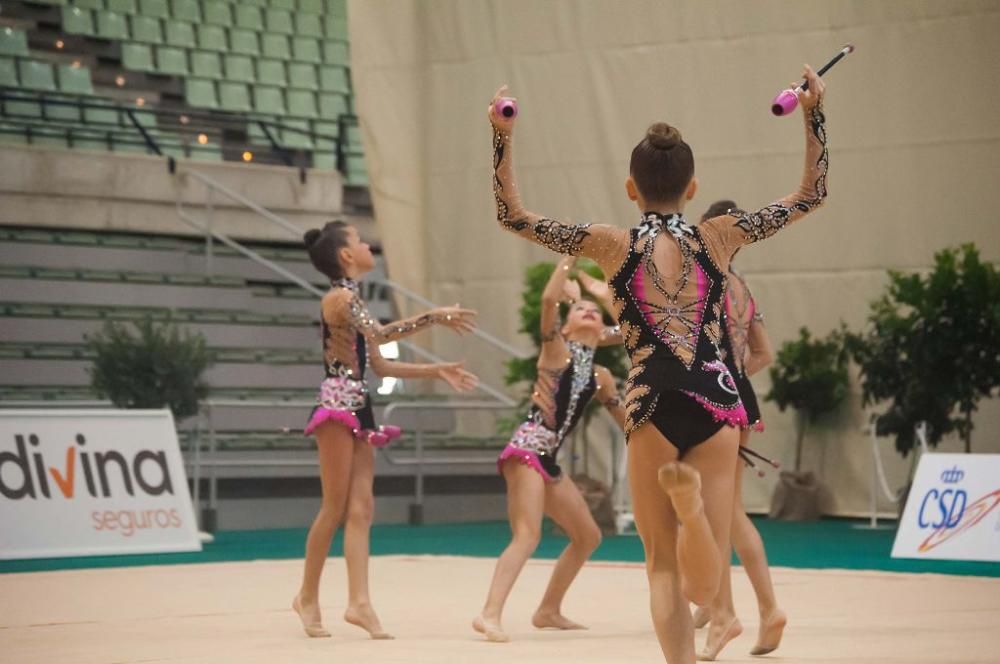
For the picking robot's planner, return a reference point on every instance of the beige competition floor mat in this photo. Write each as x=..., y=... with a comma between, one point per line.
x=238, y=612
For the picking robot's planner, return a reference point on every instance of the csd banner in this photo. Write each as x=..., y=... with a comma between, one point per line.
x=953, y=512
x=92, y=482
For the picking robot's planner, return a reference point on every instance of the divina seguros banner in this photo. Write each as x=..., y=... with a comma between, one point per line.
x=92, y=482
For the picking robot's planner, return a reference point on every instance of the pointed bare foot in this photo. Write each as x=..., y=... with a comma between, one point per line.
x=312, y=621
x=365, y=618
x=718, y=637
x=553, y=620
x=490, y=629
x=701, y=617
x=769, y=636
x=683, y=484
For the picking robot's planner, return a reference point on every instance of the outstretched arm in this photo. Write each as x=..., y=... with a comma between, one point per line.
x=739, y=227
x=604, y=244
x=450, y=372
x=461, y=320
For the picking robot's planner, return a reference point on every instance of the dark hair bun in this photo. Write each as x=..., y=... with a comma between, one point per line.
x=662, y=136
x=311, y=236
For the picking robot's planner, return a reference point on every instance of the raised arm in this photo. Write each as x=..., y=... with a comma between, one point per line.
x=607, y=395
x=740, y=227
x=760, y=352
x=604, y=244
x=552, y=295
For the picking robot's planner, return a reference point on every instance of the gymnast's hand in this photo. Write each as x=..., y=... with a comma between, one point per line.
x=458, y=319
x=571, y=290
x=598, y=288
x=499, y=121
x=455, y=375
x=809, y=99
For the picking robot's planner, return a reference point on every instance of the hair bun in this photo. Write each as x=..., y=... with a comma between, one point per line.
x=311, y=236
x=663, y=137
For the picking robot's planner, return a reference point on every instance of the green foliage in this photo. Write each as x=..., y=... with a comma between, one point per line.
x=810, y=376
x=158, y=367
x=931, y=349
x=524, y=370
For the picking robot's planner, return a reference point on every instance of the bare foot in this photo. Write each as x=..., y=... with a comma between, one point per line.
x=365, y=618
x=312, y=621
x=701, y=617
x=491, y=629
x=720, y=633
x=550, y=620
x=683, y=484
x=769, y=636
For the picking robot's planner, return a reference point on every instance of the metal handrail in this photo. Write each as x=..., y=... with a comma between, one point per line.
x=296, y=232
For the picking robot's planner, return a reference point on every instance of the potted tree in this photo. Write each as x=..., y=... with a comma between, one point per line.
x=810, y=376
x=931, y=349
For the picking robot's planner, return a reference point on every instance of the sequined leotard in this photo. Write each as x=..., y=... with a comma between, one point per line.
x=554, y=414
x=740, y=314
x=669, y=281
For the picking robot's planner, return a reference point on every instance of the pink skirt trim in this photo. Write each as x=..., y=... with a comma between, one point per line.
x=322, y=415
x=525, y=457
x=735, y=417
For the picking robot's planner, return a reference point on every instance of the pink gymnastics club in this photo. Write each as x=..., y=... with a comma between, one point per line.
x=787, y=100
x=505, y=107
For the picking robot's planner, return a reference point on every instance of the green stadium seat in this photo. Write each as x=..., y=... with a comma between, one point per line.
x=311, y=6
x=36, y=75
x=286, y=5
x=276, y=46
x=181, y=34
x=305, y=49
x=244, y=42
x=137, y=57
x=200, y=93
x=268, y=100
x=307, y=25
x=105, y=116
x=328, y=129
x=154, y=8
x=280, y=21
x=302, y=75
x=217, y=13
x=23, y=109
x=206, y=64
x=234, y=97
x=56, y=112
x=13, y=42
x=334, y=79
x=239, y=68
x=51, y=2
x=302, y=104
x=170, y=60
x=336, y=53
x=324, y=160
x=336, y=7
x=111, y=25
x=121, y=6
x=255, y=3
x=76, y=21
x=128, y=144
x=249, y=18
x=75, y=80
x=212, y=38
x=336, y=27
x=271, y=72
x=332, y=105
x=89, y=4
x=186, y=10
x=207, y=152
x=8, y=73
x=146, y=29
